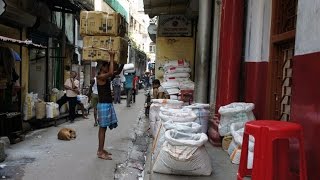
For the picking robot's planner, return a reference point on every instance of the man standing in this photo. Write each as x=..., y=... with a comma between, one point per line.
x=116, y=83
x=106, y=113
x=72, y=87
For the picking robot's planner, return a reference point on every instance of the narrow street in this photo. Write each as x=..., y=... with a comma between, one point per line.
x=42, y=156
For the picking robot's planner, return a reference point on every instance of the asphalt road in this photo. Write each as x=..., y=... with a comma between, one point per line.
x=43, y=157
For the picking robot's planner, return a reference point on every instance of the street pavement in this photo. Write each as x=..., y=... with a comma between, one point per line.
x=43, y=157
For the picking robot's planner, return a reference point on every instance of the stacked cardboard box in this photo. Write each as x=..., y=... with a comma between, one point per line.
x=101, y=32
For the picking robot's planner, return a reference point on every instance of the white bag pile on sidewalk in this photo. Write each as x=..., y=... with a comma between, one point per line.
x=40, y=107
x=177, y=115
x=128, y=68
x=234, y=150
x=29, y=110
x=52, y=110
x=177, y=77
x=155, y=109
x=188, y=127
x=202, y=112
x=232, y=113
x=183, y=154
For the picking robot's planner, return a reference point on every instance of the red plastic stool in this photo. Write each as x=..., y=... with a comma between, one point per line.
x=271, y=148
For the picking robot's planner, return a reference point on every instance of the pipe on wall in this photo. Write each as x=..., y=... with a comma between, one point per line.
x=230, y=51
x=203, y=52
x=215, y=51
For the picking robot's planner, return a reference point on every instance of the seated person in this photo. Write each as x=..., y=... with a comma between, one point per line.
x=158, y=92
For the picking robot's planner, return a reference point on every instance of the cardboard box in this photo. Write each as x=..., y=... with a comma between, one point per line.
x=101, y=23
x=95, y=48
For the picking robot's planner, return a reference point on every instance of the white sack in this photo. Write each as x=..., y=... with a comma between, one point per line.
x=237, y=131
x=203, y=115
x=173, y=70
x=173, y=91
x=183, y=154
x=236, y=156
x=177, y=75
x=40, y=107
x=174, y=97
x=168, y=85
x=175, y=63
x=127, y=67
x=155, y=109
x=232, y=113
x=177, y=115
x=189, y=127
x=52, y=110
x=84, y=100
x=174, y=79
x=29, y=111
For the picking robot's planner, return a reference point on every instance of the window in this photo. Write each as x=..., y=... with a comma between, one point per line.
x=152, y=48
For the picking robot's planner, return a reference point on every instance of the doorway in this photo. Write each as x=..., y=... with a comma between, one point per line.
x=37, y=72
x=283, y=31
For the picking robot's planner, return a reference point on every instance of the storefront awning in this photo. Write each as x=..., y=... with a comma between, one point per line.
x=170, y=7
x=71, y=6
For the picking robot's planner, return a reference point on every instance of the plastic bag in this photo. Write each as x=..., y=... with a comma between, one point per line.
x=232, y=113
x=177, y=115
x=183, y=154
x=237, y=131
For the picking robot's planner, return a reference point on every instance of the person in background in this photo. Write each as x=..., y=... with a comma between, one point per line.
x=94, y=99
x=106, y=113
x=129, y=86
x=158, y=91
x=135, y=87
x=72, y=87
x=116, y=83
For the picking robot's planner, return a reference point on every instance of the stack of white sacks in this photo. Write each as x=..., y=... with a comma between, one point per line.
x=178, y=146
x=177, y=77
x=231, y=126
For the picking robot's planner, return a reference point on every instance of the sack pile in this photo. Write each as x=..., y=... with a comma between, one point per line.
x=177, y=77
x=202, y=112
x=29, y=109
x=179, y=144
x=155, y=110
x=231, y=126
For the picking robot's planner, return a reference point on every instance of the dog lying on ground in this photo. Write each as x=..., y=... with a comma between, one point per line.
x=66, y=134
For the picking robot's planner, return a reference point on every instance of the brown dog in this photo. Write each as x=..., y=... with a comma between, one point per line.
x=66, y=134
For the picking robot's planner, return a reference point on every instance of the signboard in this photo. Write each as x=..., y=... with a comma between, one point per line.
x=174, y=26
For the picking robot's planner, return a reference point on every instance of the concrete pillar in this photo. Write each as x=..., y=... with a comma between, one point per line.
x=215, y=50
x=87, y=74
x=230, y=51
x=24, y=68
x=203, y=52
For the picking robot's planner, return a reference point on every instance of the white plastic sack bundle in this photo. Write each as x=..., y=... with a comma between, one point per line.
x=236, y=155
x=40, y=107
x=175, y=63
x=174, y=79
x=52, y=110
x=174, y=97
x=155, y=109
x=202, y=112
x=127, y=67
x=177, y=115
x=177, y=75
x=232, y=113
x=29, y=110
x=183, y=154
x=237, y=131
x=168, y=85
x=173, y=91
x=173, y=70
x=189, y=127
